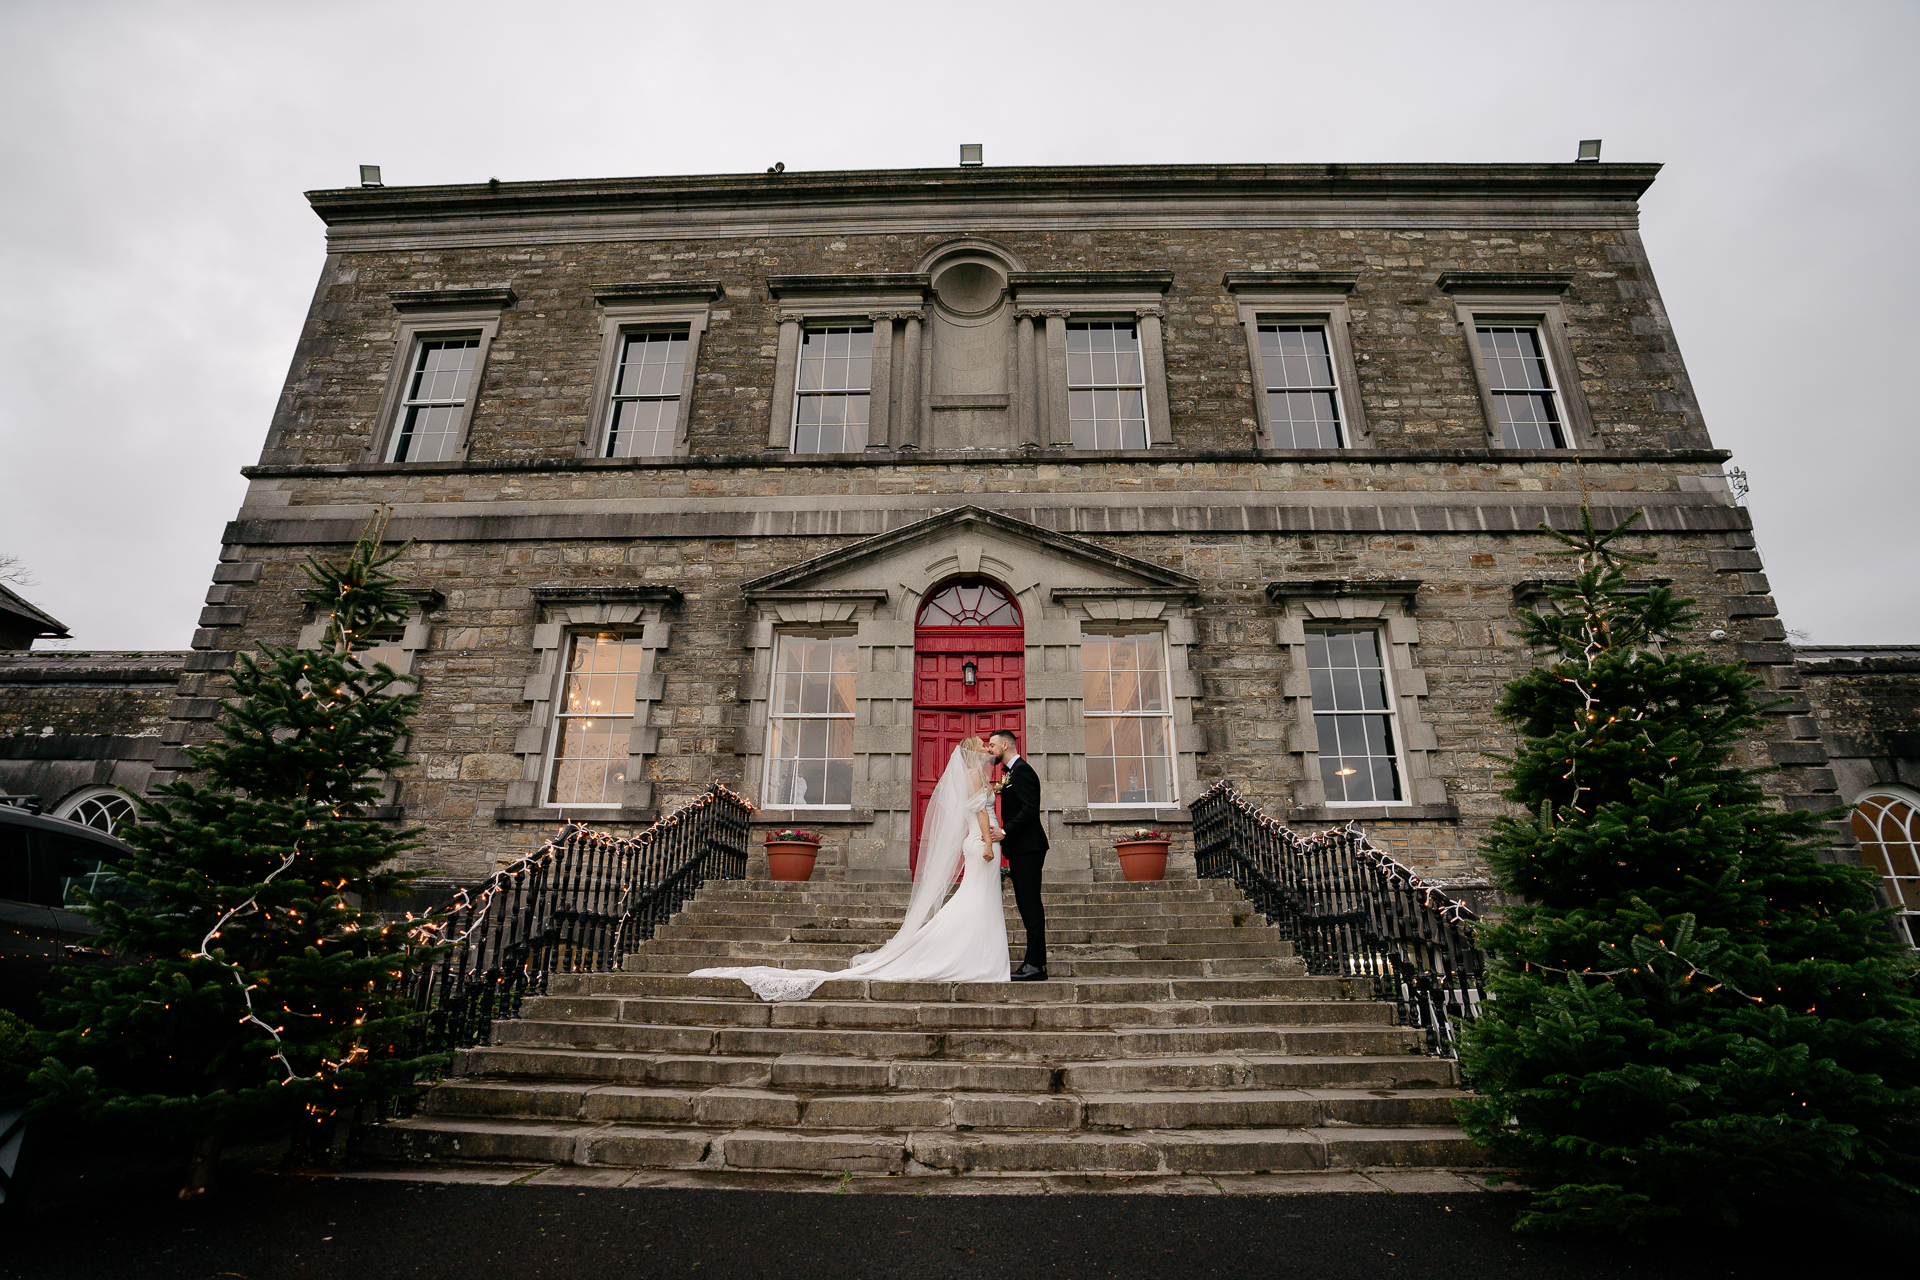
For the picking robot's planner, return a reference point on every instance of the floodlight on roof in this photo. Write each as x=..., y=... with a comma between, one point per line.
x=370, y=175
x=1589, y=152
x=972, y=154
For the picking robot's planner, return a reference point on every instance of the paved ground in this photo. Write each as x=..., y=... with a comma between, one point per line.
x=261, y=1227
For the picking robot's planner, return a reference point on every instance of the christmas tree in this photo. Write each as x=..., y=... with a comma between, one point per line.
x=263, y=993
x=1692, y=1016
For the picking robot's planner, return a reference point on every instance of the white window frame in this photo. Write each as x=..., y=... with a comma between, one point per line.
x=1525, y=301
x=647, y=307
x=1084, y=321
x=1046, y=302
x=99, y=796
x=436, y=315
x=1166, y=716
x=827, y=324
x=770, y=762
x=1888, y=885
x=1388, y=606
x=565, y=610
x=1301, y=298
x=1391, y=714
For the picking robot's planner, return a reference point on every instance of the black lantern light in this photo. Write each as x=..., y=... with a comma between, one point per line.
x=969, y=673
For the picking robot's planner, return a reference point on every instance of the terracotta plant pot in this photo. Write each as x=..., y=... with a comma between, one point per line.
x=1143, y=859
x=791, y=859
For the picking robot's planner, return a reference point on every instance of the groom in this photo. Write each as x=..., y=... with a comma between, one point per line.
x=1024, y=842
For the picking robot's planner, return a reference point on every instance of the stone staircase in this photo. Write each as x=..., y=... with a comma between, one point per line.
x=1178, y=1035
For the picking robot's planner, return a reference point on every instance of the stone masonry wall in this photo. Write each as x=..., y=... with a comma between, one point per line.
x=1416, y=379
x=474, y=670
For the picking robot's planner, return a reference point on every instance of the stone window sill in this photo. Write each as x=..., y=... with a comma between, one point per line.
x=804, y=818
x=1375, y=813
x=558, y=818
x=1167, y=817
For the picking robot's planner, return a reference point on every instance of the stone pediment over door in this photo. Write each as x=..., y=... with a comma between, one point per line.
x=973, y=540
x=872, y=590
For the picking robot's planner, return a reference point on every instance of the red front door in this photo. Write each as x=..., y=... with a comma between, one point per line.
x=945, y=709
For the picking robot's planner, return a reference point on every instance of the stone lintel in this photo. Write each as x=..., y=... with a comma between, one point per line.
x=1323, y=588
x=436, y=299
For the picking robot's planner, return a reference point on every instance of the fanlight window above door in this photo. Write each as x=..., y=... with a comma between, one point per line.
x=969, y=604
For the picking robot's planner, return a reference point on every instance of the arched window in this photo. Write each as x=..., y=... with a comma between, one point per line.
x=1887, y=824
x=101, y=808
x=969, y=603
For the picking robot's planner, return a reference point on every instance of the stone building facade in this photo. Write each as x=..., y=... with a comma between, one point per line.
x=1866, y=699
x=78, y=730
x=785, y=481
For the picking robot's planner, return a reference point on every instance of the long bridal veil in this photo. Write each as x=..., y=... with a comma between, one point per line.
x=966, y=944
x=960, y=793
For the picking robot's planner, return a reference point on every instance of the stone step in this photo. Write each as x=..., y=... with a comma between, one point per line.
x=1057, y=966
x=1057, y=935
x=1216, y=1072
x=1212, y=916
x=903, y=1015
x=1133, y=908
x=533, y=1141
x=1064, y=896
x=901, y=1109
x=1056, y=991
x=1355, y=1036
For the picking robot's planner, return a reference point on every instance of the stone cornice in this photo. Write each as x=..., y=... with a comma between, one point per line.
x=985, y=458
x=1290, y=281
x=1334, y=588
x=983, y=202
x=444, y=299
x=863, y=284
x=1549, y=283
x=564, y=593
x=1092, y=282
x=1622, y=183
x=659, y=291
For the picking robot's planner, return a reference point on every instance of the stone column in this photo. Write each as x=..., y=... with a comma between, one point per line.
x=910, y=386
x=1154, y=361
x=880, y=399
x=1026, y=417
x=786, y=368
x=1059, y=428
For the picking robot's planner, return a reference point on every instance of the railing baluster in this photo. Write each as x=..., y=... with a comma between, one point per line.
x=1350, y=909
x=582, y=903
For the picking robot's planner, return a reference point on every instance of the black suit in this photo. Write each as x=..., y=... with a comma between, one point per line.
x=1025, y=845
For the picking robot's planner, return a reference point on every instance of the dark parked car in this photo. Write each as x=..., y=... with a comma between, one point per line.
x=44, y=863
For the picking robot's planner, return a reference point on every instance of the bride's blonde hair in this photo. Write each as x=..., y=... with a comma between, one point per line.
x=972, y=744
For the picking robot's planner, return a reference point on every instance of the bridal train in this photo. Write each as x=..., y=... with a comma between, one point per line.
x=963, y=939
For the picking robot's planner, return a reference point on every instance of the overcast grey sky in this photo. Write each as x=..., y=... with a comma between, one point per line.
x=160, y=256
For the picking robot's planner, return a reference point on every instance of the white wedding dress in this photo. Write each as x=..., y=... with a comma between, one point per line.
x=964, y=940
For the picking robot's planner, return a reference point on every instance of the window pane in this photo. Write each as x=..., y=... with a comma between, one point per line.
x=1352, y=716
x=595, y=720
x=810, y=737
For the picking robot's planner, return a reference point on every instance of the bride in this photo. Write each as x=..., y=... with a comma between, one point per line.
x=962, y=941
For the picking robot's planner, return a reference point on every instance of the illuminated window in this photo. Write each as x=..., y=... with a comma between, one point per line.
x=810, y=722
x=1888, y=830
x=1128, y=719
x=594, y=725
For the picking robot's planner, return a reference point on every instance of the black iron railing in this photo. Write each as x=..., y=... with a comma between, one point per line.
x=1350, y=910
x=582, y=904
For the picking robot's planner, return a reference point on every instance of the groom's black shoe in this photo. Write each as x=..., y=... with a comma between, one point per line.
x=1028, y=973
